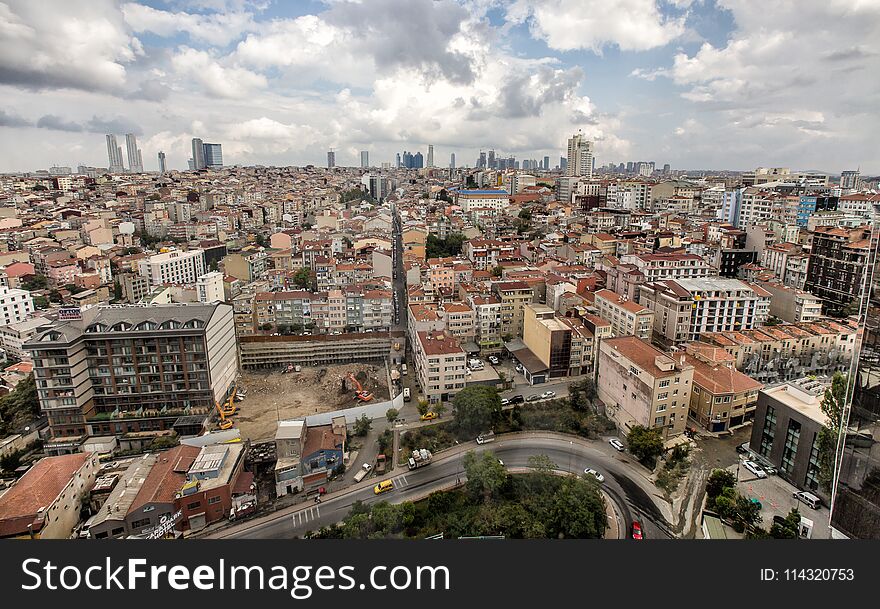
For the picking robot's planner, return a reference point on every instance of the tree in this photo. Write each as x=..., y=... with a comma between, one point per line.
x=423, y=406
x=582, y=394
x=833, y=406
x=302, y=278
x=439, y=408
x=362, y=426
x=646, y=444
x=262, y=240
x=577, y=511
x=477, y=408
x=719, y=480
x=747, y=513
x=41, y=302
x=485, y=474
x=436, y=247
x=497, y=271
x=19, y=407
x=787, y=528
x=391, y=414
x=32, y=283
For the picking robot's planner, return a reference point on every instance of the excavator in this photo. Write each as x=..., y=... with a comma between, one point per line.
x=224, y=422
x=360, y=394
x=229, y=407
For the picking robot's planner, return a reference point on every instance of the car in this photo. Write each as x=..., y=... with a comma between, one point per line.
x=617, y=444
x=548, y=394
x=533, y=398
x=519, y=368
x=429, y=416
x=637, y=530
x=383, y=487
x=755, y=468
x=505, y=401
x=517, y=399
x=501, y=462
x=367, y=467
x=591, y=472
x=757, y=502
x=494, y=360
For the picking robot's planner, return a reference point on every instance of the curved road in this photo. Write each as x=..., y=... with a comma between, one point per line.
x=632, y=499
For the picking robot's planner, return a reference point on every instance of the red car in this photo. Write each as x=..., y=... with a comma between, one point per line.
x=637, y=530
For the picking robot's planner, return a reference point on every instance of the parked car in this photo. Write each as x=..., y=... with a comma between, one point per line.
x=429, y=416
x=617, y=444
x=808, y=498
x=494, y=360
x=548, y=394
x=517, y=399
x=755, y=469
x=367, y=467
x=757, y=502
x=519, y=368
x=533, y=398
x=637, y=530
x=505, y=401
x=591, y=472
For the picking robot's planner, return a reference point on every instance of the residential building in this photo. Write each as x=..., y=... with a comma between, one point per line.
x=440, y=365
x=656, y=267
x=209, y=287
x=15, y=305
x=686, y=308
x=514, y=295
x=641, y=385
x=628, y=318
x=836, y=268
x=125, y=368
x=792, y=305
x=580, y=156
x=135, y=162
x=13, y=336
x=563, y=345
x=175, y=267
x=114, y=155
x=722, y=397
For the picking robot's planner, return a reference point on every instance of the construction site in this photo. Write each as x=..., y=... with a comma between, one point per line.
x=296, y=392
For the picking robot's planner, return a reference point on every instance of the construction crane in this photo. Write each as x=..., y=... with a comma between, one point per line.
x=224, y=422
x=361, y=394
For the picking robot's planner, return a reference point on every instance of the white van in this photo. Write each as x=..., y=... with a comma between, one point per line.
x=406, y=394
x=808, y=498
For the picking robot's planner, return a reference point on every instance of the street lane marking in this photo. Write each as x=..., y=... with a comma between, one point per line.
x=400, y=482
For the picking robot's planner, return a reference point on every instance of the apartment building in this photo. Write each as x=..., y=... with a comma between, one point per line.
x=177, y=267
x=484, y=254
x=792, y=305
x=122, y=369
x=273, y=352
x=459, y=320
x=627, y=318
x=722, y=397
x=15, y=305
x=487, y=323
x=783, y=352
x=563, y=345
x=14, y=336
x=514, y=296
x=656, y=267
x=334, y=311
x=641, y=385
x=482, y=199
x=209, y=287
x=440, y=365
x=686, y=308
x=836, y=268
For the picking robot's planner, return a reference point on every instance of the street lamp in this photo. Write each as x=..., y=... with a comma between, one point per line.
x=570, y=451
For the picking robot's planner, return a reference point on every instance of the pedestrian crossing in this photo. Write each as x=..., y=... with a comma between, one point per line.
x=304, y=516
x=400, y=482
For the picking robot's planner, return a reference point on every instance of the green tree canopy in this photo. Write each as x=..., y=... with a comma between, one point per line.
x=833, y=406
x=302, y=278
x=485, y=474
x=646, y=444
x=362, y=425
x=477, y=408
x=578, y=510
x=442, y=248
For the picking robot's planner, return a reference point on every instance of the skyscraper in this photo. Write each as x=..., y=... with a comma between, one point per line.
x=580, y=156
x=162, y=168
x=398, y=162
x=452, y=161
x=666, y=168
x=430, y=155
x=213, y=155
x=418, y=160
x=850, y=179
x=198, y=153
x=114, y=155
x=331, y=159
x=135, y=164
x=481, y=162
x=546, y=163
x=491, y=160
x=365, y=158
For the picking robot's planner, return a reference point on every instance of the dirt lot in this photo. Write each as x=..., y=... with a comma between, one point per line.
x=293, y=395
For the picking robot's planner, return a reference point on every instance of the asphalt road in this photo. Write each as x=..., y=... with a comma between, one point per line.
x=631, y=497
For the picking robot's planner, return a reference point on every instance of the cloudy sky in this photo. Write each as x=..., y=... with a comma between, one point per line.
x=695, y=83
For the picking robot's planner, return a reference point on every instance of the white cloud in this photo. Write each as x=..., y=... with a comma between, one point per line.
x=64, y=43
x=223, y=81
x=217, y=28
x=566, y=25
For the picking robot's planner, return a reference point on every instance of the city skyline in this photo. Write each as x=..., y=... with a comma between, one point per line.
x=691, y=83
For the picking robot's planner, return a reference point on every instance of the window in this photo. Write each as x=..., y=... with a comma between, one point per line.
x=659, y=421
x=213, y=500
x=193, y=505
x=663, y=396
x=139, y=524
x=767, y=434
x=789, y=450
x=664, y=383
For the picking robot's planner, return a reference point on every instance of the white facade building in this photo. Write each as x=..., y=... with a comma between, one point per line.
x=15, y=305
x=178, y=267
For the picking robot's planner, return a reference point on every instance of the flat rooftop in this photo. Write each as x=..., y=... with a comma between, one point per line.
x=803, y=396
